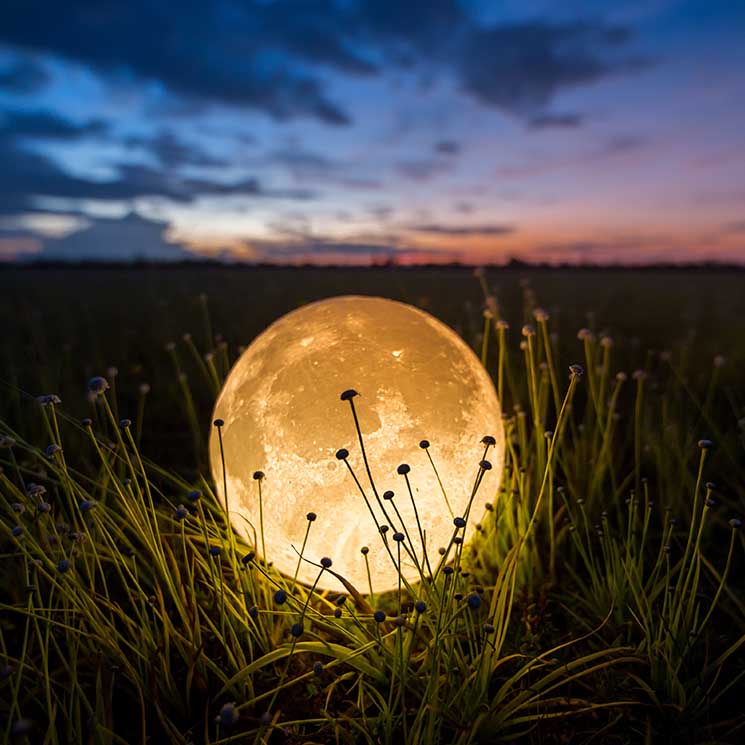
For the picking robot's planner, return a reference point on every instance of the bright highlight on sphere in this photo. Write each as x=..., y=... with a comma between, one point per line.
x=283, y=415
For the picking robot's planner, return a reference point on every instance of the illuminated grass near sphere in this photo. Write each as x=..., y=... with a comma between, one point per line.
x=283, y=416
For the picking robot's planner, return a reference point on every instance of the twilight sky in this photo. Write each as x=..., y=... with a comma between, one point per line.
x=359, y=130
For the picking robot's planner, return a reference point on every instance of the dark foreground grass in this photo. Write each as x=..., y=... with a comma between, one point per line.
x=601, y=600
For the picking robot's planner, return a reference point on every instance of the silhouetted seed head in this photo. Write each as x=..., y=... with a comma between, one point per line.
x=459, y=522
x=541, y=314
x=734, y=523
x=606, y=342
x=442, y=550
x=379, y=616
x=253, y=612
x=228, y=715
x=98, y=385
x=181, y=512
x=342, y=454
x=710, y=502
x=348, y=395
x=485, y=465
x=420, y=606
x=219, y=423
x=423, y=444
x=215, y=550
x=580, y=501
x=337, y=612
x=265, y=718
x=488, y=440
x=364, y=550
x=311, y=517
x=51, y=450
x=398, y=537
x=585, y=335
x=87, y=422
x=248, y=558
x=399, y=621
x=403, y=469
x=297, y=630
x=458, y=596
x=388, y=494
x=340, y=600
x=63, y=565
x=479, y=589
x=502, y=325
x=474, y=601
x=17, y=507
x=528, y=330
x=35, y=490
x=577, y=370
x=44, y=507
x=16, y=531
x=705, y=444
x=488, y=628
x=193, y=495
x=326, y=562
x=280, y=597
x=258, y=475
x=48, y=399
x=621, y=376
x=384, y=529
x=458, y=540
x=639, y=375
x=489, y=507
x=144, y=389
x=710, y=485
x=317, y=668
x=87, y=505
x=447, y=571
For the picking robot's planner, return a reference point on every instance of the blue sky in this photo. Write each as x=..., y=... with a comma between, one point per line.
x=359, y=130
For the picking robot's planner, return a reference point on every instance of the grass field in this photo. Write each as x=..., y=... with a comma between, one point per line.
x=601, y=600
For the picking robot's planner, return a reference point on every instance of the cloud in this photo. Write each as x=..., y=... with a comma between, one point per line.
x=22, y=76
x=420, y=169
x=447, y=147
x=27, y=174
x=130, y=238
x=521, y=67
x=561, y=121
x=327, y=250
x=273, y=56
x=615, y=146
x=206, y=52
x=171, y=151
x=463, y=230
x=45, y=125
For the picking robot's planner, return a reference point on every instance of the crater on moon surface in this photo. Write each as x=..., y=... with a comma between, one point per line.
x=416, y=380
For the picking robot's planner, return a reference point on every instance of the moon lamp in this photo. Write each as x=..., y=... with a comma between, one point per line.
x=420, y=397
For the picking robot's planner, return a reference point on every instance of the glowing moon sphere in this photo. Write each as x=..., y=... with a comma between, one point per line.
x=282, y=412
